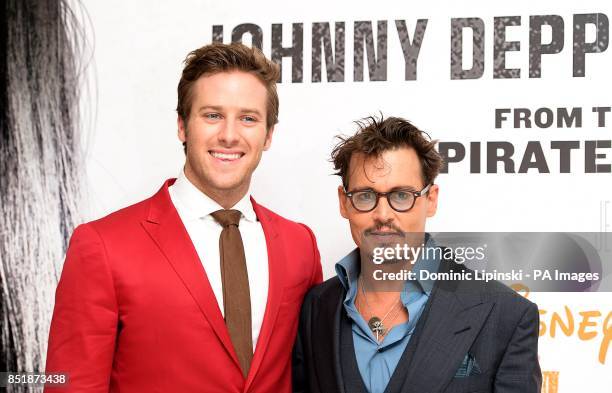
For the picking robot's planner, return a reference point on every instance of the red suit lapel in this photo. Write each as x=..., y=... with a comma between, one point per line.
x=276, y=286
x=166, y=229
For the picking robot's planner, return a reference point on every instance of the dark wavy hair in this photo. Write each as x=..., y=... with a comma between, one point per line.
x=377, y=135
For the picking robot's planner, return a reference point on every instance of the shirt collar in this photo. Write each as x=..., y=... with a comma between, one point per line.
x=194, y=204
x=349, y=267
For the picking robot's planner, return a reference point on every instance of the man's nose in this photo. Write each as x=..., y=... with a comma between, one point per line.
x=383, y=211
x=228, y=134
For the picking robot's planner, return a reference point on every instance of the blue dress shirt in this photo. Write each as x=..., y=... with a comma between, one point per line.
x=377, y=361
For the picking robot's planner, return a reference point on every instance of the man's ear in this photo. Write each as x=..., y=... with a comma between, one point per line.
x=268, y=141
x=343, y=200
x=182, y=129
x=432, y=200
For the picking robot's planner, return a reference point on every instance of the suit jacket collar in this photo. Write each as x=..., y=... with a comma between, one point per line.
x=456, y=315
x=277, y=255
x=167, y=230
x=165, y=227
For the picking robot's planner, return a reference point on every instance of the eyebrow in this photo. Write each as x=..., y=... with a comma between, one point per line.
x=252, y=111
x=393, y=189
x=220, y=108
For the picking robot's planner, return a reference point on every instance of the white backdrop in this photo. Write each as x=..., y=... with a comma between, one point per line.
x=132, y=147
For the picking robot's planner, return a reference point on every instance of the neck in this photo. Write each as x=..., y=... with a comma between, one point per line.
x=226, y=198
x=380, y=278
x=378, y=296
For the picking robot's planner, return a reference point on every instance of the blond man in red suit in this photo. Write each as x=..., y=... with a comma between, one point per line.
x=198, y=288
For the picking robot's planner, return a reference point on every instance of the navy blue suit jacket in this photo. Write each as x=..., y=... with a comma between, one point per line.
x=475, y=337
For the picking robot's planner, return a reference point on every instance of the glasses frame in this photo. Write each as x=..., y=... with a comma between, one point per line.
x=387, y=194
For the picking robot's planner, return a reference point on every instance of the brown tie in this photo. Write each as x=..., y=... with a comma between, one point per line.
x=235, y=280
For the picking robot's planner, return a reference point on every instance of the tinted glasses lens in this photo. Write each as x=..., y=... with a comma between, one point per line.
x=364, y=200
x=401, y=200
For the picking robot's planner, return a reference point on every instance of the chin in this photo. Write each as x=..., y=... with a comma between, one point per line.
x=227, y=184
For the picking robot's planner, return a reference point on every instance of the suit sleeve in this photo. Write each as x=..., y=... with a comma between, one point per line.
x=301, y=346
x=84, y=324
x=317, y=272
x=301, y=354
x=519, y=370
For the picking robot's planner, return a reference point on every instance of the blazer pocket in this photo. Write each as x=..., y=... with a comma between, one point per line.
x=468, y=367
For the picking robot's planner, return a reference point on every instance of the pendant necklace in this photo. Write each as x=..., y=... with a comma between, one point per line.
x=375, y=323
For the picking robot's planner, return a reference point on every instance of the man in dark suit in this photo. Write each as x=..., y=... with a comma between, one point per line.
x=198, y=288
x=360, y=334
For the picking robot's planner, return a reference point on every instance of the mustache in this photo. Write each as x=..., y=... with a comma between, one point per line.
x=391, y=229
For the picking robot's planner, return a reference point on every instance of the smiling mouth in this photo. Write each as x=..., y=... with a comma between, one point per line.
x=225, y=156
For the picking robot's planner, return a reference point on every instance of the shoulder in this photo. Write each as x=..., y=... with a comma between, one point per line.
x=125, y=219
x=289, y=228
x=121, y=224
x=321, y=302
x=299, y=243
x=330, y=289
x=508, y=302
x=274, y=217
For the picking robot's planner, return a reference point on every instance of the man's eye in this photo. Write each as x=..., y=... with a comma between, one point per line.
x=249, y=119
x=365, y=196
x=212, y=116
x=401, y=195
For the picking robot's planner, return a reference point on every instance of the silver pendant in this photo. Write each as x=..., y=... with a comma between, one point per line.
x=376, y=326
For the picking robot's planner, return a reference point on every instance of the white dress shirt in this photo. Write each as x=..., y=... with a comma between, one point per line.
x=195, y=208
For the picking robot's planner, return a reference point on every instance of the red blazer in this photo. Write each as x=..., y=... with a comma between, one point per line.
x=134, y=311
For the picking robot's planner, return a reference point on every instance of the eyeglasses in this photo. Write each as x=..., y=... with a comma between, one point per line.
x=400, y=200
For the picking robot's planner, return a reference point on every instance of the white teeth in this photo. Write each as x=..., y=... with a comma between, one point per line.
x=225, y=156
